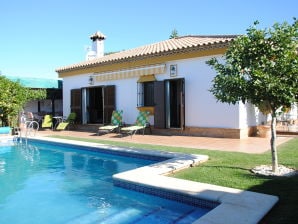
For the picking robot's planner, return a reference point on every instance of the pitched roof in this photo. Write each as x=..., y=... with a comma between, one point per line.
x=170, y=46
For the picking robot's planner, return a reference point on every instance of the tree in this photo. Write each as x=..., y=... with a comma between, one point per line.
x=13, y=97
x=260, y=67
x=174, y=34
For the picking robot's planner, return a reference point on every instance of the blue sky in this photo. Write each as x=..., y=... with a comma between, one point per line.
x=39, y=36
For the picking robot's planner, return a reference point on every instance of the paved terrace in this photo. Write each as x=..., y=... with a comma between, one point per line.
x=247, y=145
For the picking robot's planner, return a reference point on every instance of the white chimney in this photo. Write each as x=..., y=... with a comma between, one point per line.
x=97, y=49
x=98, y=44
x=90, y=54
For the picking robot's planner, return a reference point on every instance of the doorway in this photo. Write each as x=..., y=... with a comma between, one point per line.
x=94, y=104
x=169, y=98
x=75, y=104
x=174, y=100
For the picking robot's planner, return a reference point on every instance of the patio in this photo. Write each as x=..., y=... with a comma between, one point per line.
x=247, y=145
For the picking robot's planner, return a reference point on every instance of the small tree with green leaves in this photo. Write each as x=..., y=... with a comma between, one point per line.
x=260, y=67
x=13, y=97
x=174, y=34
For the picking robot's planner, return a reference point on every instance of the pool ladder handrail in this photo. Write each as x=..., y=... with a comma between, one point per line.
x=30, y=127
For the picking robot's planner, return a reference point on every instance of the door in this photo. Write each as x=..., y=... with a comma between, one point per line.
x=95, y=104
x=159, y=104
x=175, y=103
x=75, y=103
x=109, y=103
x=99, y=103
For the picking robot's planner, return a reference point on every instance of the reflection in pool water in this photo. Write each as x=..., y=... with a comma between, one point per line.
x=44, y=183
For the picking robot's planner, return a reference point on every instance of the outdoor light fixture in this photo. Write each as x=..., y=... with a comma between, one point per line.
x=173, y=70
x=91, y=80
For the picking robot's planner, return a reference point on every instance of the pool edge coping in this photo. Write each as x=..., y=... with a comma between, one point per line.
x=236, y=206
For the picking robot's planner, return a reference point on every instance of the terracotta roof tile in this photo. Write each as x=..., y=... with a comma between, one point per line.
x=163, y=47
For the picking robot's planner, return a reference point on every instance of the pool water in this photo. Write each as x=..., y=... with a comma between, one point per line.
x=43, y=183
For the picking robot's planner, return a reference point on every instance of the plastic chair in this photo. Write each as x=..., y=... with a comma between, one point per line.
x=47, y=121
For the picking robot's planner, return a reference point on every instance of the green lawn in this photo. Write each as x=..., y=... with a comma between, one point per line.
x=232, y=169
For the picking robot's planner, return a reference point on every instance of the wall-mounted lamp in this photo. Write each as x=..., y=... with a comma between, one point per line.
x=173, y=70
x=91, y=80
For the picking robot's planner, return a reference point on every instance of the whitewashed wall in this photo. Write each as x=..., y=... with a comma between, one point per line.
x=201, y=107
x=70, y=83
x=126, y=99
x=126, y=94
x=31, y=106
x=45, y=106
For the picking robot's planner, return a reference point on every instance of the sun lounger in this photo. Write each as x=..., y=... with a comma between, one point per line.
x=141, y=123
x=70, y=120
x=116, y=122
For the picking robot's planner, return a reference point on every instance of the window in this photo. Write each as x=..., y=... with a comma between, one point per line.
x=146, y=91
x=145, y=94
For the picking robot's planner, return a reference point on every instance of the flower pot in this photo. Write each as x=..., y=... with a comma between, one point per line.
x=264, y=131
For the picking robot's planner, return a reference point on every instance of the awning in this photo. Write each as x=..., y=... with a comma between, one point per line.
x=39, y=83
x=130, y=73
x=147, y=78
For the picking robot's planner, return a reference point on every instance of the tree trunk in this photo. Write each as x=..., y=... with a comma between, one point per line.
x=5, y=121
x=273, y=143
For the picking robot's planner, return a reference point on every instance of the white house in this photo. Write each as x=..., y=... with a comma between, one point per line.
x=170, y=79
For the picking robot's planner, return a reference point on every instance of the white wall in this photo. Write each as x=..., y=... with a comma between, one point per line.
x=70, y=83
x=201, y=107
x=31, y=106
x=126, y=99
x=45, y=106
x=126, y=94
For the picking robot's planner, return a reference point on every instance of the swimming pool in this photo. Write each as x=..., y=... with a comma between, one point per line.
x=52, y=183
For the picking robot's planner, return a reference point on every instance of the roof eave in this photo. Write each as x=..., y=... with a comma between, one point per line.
x=203, y=47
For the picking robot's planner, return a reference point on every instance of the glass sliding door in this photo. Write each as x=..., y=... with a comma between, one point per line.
x=98, y=103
